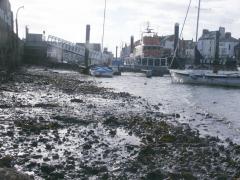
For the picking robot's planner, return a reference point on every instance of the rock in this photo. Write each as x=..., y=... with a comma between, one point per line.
x=47, y=169
x=94, y=170
x=57, y=175
x=156, y=107
x=130, y=148
x=67, y=153
x=37, y=156
x=146, y=151
x=76, y=101
x=55, y=156
x=49, y=147
x=70, y=167
x=72, y=120
x=177, y=116
x=113, y=132
x=112, y=121
x=12, y=174
x=42, y=105
x=32, y=165
x=10, y=133
x=90, y=106
x=87, y=146
x=32, y=126
x=46, y=159
x=15, y=146
x=155, y=175
x=168, y=138
x=6, y=162
x=5, y=106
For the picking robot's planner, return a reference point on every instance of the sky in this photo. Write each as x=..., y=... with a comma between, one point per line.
x=67, y=19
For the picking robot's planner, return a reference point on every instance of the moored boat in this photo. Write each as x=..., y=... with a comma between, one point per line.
x=101, y=71
x=214, y=77
x=206, y=77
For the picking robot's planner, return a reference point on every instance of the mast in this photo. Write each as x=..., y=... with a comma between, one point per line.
x=196, y=52
x=103, y=33
x=198, y=16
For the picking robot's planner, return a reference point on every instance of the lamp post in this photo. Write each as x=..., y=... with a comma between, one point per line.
x=22, y=7
x=17, y=52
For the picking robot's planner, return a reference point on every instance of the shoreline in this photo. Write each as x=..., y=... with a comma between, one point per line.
x=59, y=125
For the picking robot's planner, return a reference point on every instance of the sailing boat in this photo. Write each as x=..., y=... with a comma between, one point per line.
x=102, y=70
x=206, y=77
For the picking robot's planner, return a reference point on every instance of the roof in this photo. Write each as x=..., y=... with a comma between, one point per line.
x=231, y=39
x=211, y=35
x=238, y=46
x=168, y=37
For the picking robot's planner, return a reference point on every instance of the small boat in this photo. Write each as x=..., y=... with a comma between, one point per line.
x=101, y=71
x=206, y=77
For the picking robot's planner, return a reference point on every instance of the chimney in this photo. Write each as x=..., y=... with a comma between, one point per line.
x=176, y=37
x=132, y=44
x=228, y=35
x=87, y=62
x=205, y=31
x=222, y=32
x=88, y=34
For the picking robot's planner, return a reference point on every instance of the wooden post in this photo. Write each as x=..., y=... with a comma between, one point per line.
x=87, y=46
x=216, y=60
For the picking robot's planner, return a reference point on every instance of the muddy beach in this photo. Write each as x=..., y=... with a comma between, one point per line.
x=57, y=124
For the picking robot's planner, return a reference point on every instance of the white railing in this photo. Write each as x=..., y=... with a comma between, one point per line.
x=96, y=57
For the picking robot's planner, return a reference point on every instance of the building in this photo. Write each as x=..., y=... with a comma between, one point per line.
x=237, y=52
x=227, y=44
x=185, y=49
x=167, y=42
x=207, y=44
x=6, y=33
x=125, y=52
x=35, y=48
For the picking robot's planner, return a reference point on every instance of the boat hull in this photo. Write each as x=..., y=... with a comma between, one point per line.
x=201, y=78
x=101, y=72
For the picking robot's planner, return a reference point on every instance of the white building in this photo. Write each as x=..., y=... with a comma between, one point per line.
x=207, y=44
x=167, y=42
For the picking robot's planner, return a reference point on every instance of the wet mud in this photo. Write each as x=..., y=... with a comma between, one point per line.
x=58, y=124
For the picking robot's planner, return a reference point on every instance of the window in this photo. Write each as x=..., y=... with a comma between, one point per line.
x=163, y=62
x=157, y=62
x=144, y=62
x=150, y=62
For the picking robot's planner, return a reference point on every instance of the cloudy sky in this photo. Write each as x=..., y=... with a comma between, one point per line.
x=67, y=18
